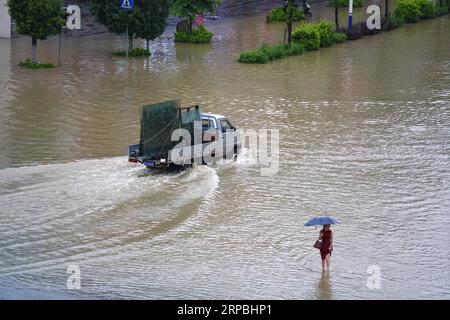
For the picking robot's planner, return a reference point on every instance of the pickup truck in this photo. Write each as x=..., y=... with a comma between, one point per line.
x=158, y=122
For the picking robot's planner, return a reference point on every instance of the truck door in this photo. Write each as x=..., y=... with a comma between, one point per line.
x=227, y=128
x=209, y=128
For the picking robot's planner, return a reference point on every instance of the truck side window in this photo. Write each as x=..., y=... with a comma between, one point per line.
x=225, y=125
x=205, y=124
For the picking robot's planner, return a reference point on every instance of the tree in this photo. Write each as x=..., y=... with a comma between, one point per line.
x=147, y=20
x=38, y=19
x=151, y=19
x=189, y=8
x=289, y=7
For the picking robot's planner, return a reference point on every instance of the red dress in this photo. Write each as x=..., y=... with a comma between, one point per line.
x=326, y=244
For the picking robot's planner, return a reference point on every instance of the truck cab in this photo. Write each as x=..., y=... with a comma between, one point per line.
x=216, y=126
x=216, y=123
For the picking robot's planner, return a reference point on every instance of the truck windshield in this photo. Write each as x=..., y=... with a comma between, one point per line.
x=226, y=125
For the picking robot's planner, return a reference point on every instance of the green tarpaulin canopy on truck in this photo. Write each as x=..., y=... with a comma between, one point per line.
x=158, y=121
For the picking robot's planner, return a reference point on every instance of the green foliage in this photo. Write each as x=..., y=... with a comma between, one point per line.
x=325, y=29
x=199, y=35
x=427, y=9
x=278, y=14
x=393, y=22
x=308, y=36
x=150, y=18
x=28, y=64
x=135, y=52
x=409, y=10
x=315, y=35
x=296, y=49
x=255, y=56
x=339, y=37
x=414, y=10
x=345, y=3
x=441, y=10
x=189, y=8
x=268, y=53
x=37, y=18
x=274, y=52
x=147, y=20
x=182, y=37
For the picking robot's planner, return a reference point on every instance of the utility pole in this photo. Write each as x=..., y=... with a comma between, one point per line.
x=350, y=14
x=127, y=5
x=127, y=42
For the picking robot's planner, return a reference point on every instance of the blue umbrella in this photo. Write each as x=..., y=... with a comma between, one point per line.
x=320, y=221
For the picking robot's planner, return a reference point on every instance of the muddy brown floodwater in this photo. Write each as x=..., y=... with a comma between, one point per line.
x=364, y=136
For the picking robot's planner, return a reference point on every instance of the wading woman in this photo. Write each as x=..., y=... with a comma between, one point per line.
x=326, y=235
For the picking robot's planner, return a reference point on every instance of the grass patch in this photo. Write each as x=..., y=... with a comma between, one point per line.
x=199, y=35
x=135, y=52
x=307, y=37
x=339, y=37
x=274, y=52
x=267, y=53
x=28, y=64
x=296, y=49
x=392, y=23
x=255, y=56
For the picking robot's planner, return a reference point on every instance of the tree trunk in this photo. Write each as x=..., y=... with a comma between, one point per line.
x=336, y=14
x=34, y=50
x=191, y=22
x=386, y=9
x=147, y=44
x=441, y=3
x=289, y=22
x=130, y=41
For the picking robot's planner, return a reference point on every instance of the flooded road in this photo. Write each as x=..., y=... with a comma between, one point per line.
x=364, y=136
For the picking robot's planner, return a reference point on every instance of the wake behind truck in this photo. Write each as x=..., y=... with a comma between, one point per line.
x=172, y=136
